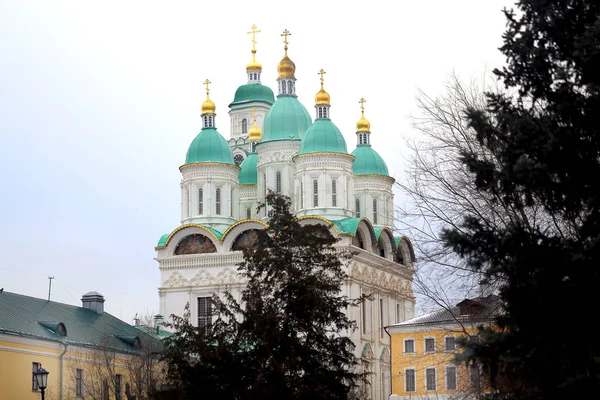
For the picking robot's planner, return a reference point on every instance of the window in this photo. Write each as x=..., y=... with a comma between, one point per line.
x=278, y=181
x=315, y=193
x=79, y=382
x=409, y=345
x=218, y=202
x=324, y=112
x=364, y=317
x=105, y=390
x=290, y=87
x=283, y=87
x=34, y=367
x=430, y=383
x=375, y=211
x=204, y=313
x=397, y=312
x=357, y=207
x=334, y=193
x=409, y=380
x=265, y=188
x=381, y=313
x=451, y=378
x=248, y=213
x=474, y=378
x=200, y=202
x=244, y=126
x=187, y=202
x=301, y=195
x=450, y=343
x=429, y=344
x=118, y=387
x=320, y=112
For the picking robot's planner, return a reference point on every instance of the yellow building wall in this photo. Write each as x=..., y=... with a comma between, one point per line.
x=420, y=360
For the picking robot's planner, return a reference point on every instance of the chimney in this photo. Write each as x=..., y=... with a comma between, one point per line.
x=93, y=301
x=158, y=320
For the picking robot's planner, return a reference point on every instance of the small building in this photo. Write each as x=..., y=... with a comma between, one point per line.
x=87, y=352
x=423, y=350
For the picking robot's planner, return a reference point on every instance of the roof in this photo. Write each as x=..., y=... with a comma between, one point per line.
x=475, y=309
x=287, y=119
x=253, y=92
x=27, y=316
x=323, y=137
x=209, y=146
x=368, y=162
x=249, y=172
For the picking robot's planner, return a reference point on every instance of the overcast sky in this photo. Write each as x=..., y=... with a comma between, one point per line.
x=100, y=100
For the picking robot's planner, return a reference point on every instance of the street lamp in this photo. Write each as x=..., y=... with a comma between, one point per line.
x=41, y=376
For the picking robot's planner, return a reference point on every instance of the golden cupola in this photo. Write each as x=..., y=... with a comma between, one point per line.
x=255, y=133
x=208, y=107
x=363, y=125
x=286, y=67
x=254, y=65
x=322, y=97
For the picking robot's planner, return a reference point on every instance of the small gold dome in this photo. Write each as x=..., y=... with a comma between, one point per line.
x=208, y=107
x=286, y=68
x=255, y=133
x=254, y=65
x=363, y=125
x=322, y=97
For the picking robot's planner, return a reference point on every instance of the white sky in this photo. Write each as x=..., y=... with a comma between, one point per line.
x=100, y=100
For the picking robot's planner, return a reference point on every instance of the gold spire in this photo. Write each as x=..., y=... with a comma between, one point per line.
x=255, y=133
x=208, y=107
x=286, y=67
x=363, y=125
x=322, y=96
x=254, y=65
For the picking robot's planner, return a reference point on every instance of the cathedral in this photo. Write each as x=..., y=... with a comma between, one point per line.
x=276, y=145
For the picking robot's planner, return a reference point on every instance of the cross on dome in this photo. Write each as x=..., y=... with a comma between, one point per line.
x=285, y=34
x=362, y=102
x=207, y=82
x=254, y=31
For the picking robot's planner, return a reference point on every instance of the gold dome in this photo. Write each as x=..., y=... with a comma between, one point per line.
x=286, y=67
x=322, y=97
x=363, y=125
x=208, y=107
x=255, y=133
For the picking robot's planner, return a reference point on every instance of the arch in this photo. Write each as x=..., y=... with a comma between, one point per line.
x=195, y=243
x=367, y=234
x=405, y=253
x=238, y=228
x=313, y=220
x=367, y=351
x=385, y=242
x=182, y=231
x=248, y=239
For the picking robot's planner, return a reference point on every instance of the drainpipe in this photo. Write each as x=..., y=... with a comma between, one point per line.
x=61, y=370
x=391, y=359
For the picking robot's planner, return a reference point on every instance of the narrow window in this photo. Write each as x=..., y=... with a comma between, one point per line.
x=218, y=202
x=324, y=112
x=265, y=180
x=290, y=87
x=204, y=313
x=429, y=344
x=248, y=213
x=315, y=193
x=320, y=112
x=283, y=87
x=397, y=313
x=118, y=387
x=409, y=346
x=474, y=378
x=364, y=317
x=278, y=182
x=301, y=195
x=105, y=390
x=334, y=193
x=244, y=126
x=409, y=380
x=79, y=382
x=231, y=203
x=186, y=205
x=357, y=207
x=200, y=202
x=450, y=344
x=451, y=378
x=374, y=211
x=430, y=383
x=34, y=367
x=381, y=313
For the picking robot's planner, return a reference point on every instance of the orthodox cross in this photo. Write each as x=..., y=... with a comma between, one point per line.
x=285, y=34
x=362, y=102
x=254, y=31
x=254, y=114
x=322, y=72
x=207, y=82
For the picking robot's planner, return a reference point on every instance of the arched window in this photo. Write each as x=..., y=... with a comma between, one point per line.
x=248, y=213
x=278, y=182
x=357, y=207
x=374, y=211
x=200, y=202
x=333, y=193
x=283, y=87
x=315, y=193
x=320, y=112
x=325, y=112
x=290, y=87
x=218, y=202
x=244, y=126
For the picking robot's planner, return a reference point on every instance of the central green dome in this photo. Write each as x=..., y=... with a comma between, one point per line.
x=286, y=120
x=323, y=137
x=249, y=173
x=253, y=92
x=368, y=162
x=209, y=146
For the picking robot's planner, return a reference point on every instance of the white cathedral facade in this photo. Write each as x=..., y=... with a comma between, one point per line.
x=276, y=145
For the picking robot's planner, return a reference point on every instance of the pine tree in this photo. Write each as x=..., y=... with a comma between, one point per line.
x=289, y=336
x=545, y=141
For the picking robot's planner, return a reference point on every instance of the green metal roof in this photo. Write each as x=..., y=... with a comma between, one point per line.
x=323, y=137
x=377, y=230
x=397, y=240
x=287, y=119
x=347, y=225
x=162, y=240
x=249, y=173
x=215, y=232
x=32, y=317
x=253, y=92
x=209, y=146
x=368, y=162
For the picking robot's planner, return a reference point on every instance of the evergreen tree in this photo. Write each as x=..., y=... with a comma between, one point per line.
x=545, y=142
x=288, y=338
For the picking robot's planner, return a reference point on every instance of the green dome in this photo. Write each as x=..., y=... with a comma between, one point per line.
x=368, y=162
x=323, y=136
x=253, y=92
x=287, y=119
x=209, y=146
x=249, y=173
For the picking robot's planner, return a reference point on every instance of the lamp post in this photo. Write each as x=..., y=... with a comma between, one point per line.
x=41, y=376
